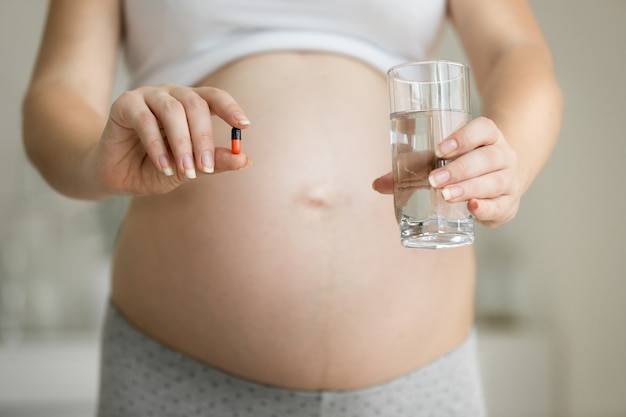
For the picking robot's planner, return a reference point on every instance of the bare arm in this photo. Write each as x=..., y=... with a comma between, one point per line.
x=65, y=107
x=152, y=139
x=513, y=70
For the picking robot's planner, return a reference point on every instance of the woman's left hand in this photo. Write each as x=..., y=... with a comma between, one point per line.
x=483, y=172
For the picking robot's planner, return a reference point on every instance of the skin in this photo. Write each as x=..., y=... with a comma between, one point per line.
x=290, y=271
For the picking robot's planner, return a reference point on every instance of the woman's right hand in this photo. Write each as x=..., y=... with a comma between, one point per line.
x=157, y=138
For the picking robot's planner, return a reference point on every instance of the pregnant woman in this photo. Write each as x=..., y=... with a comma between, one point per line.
x=272, y=282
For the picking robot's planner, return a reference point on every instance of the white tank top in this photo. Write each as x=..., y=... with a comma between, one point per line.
x=182, y=41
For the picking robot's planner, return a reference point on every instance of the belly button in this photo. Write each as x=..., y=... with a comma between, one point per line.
x=317, y=196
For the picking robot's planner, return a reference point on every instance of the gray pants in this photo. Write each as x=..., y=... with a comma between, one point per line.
x=141, y=377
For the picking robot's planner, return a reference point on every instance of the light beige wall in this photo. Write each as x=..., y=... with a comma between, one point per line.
x=560, y=267
x=53, y=250
x=583, y=197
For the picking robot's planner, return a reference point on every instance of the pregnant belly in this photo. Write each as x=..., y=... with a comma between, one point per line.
x=290, y=272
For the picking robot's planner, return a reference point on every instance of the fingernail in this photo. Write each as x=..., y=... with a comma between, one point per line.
x=439, y=178
x=241, y=119
x=190, y=170
x=374, y=184
x=207, y=162
x=446, y=147
x=248, y=163
x=165, y=165
x=452, y=192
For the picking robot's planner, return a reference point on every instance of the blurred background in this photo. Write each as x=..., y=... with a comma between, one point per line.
x=551, y=300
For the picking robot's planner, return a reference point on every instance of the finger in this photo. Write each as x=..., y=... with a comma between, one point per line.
x=384, y=184
x=131, y=112
x=493, y=212
x=225, y=160
x=479, y=162
x=224, y=105
x=200, y=127
x=493, y=185
x=478, y=132
x=414, y=166
x=171, y=114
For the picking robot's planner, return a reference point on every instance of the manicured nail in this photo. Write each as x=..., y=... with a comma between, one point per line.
x=446, y=147
x=374, y=184
x=452, y=192
x=190, y=170
x=207, y=162
x=241, y=119
x=439, y=178
x=165, y=165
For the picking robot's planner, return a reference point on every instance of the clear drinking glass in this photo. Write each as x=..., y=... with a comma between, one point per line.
x=429, y=101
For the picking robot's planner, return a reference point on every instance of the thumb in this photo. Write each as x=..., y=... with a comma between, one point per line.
x=384, y=184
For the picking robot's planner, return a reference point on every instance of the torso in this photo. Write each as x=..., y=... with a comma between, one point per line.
x=290, y=272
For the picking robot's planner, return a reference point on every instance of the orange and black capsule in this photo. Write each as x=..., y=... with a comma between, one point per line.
x=235, y=140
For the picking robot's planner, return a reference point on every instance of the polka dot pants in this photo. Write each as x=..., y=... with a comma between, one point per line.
x=142, y=378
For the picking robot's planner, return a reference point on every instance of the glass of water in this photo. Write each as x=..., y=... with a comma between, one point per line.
x=429, y=101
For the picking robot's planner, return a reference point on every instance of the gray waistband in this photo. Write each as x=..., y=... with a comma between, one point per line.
x=142, y=377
